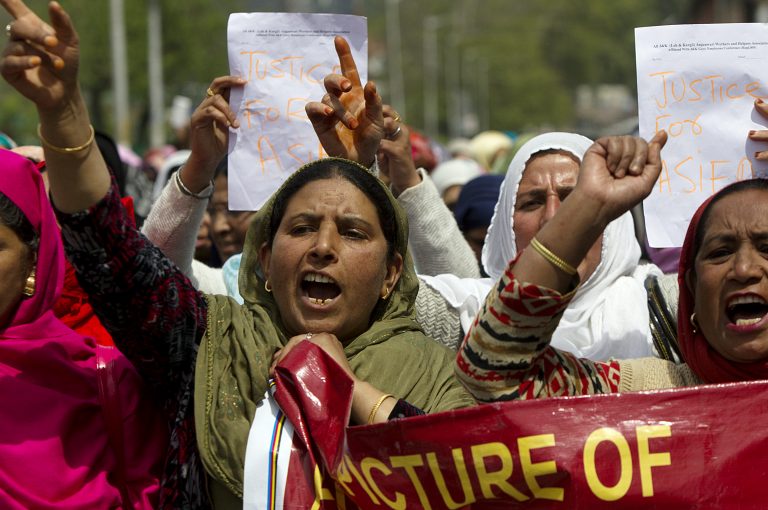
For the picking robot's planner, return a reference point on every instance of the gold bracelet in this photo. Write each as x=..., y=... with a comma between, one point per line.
x=552, y=258
x=67, y=150
x=376, y=407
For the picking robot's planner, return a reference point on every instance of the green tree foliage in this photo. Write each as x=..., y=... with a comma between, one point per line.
x=536, y=53
x=194, y=51
x=593, y=41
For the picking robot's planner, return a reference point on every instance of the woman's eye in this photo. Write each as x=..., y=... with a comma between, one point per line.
x=355, y=234
x=717, y=253
x=217, y=209
x=301, y=229
x=529, y=205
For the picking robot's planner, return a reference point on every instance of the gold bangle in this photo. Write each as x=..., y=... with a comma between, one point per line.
x=376, y=407
x=67, y=150
x=552, y=258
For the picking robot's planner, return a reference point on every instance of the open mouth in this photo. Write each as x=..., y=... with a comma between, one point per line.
x=746, y=310
x=320, y=289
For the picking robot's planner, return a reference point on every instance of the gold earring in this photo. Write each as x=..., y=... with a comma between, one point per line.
x=694, y=323
x=29, y=287
x=266, y=286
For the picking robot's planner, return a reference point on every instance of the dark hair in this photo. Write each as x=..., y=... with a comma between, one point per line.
x=738, y=187
x=111, y=155
x=351, y=172
x=12, y=217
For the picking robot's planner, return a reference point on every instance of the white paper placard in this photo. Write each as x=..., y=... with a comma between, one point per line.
x=284, y=57
x=699, y=83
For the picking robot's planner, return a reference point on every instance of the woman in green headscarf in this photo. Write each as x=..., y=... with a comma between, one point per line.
x=327, y=253
x=326, y=261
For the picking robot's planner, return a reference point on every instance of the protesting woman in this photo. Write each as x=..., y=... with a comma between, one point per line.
x=78, y=428
x=723, y=280
x=325, y=262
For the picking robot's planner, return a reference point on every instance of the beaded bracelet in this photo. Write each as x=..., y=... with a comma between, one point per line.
x=67, y=150
x=202, y=195
x=376, y=407
x=552, y=258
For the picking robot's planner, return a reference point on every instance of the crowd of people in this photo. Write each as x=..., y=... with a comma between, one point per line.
x=131, y=369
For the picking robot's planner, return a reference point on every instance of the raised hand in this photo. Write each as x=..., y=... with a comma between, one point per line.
x=40, y=59
x=760, y=135
x=394, y=156
x=348, y=121
x=209, y=135
x=618, y=172
x=41, y=62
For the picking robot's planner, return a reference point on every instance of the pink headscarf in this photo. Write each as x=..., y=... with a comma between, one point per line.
x=54, y=445
x=697, y=353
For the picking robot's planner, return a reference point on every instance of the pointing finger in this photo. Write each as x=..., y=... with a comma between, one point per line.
x=348, y=66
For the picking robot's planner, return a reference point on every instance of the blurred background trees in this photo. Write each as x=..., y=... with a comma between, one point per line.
x=453, y=68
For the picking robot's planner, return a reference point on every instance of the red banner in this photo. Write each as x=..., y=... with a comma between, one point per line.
x=702, y=447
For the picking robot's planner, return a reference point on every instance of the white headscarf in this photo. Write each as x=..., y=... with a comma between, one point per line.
x=608, y=317
x=486, y=147
x=455, y=172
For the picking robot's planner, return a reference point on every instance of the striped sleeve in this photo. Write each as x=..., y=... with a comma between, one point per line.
x=506, y=353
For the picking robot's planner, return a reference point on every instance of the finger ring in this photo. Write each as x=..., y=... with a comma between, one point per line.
x=394, y=133
x=210, y=92
x=397, y=117
x=8, y=29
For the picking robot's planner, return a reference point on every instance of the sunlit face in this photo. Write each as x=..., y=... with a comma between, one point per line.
x=730, y=283
x=227, y=228
x=547, y=180
x=15, y=266
x=327, y=265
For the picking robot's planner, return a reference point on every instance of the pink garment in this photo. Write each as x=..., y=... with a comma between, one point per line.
x=54, y=445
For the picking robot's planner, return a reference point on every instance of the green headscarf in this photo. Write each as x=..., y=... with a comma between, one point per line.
x=231, y=375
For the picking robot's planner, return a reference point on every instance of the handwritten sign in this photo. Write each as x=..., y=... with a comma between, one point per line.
x=699, y=83
x=284, y=57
